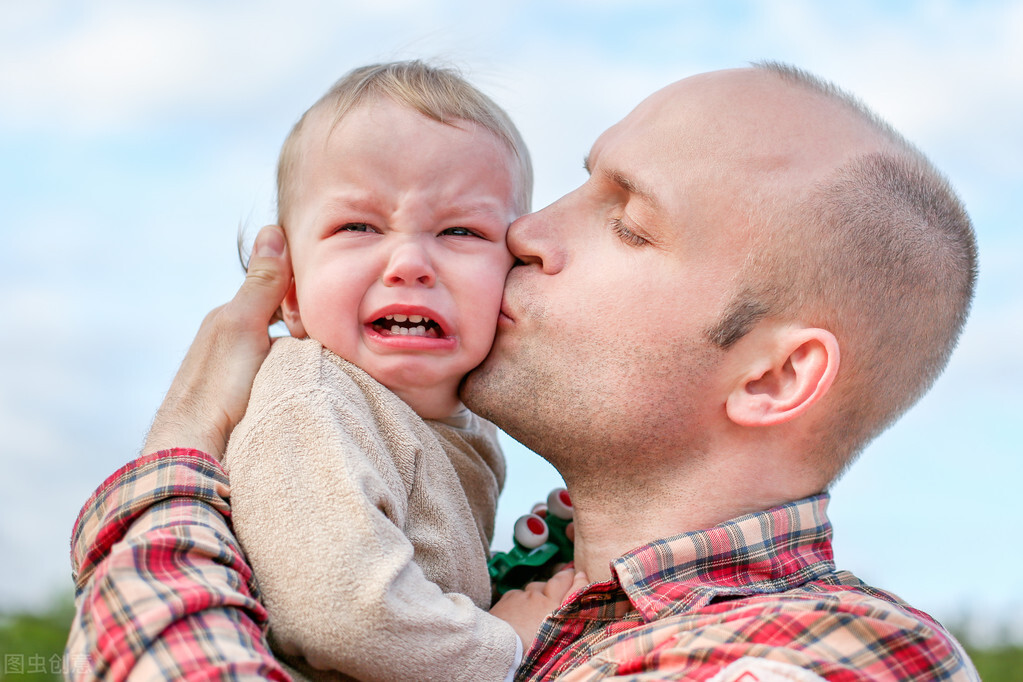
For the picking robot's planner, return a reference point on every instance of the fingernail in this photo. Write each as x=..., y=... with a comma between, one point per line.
x=269, y=243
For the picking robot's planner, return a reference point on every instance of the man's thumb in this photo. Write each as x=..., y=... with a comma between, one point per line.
x=269, y=273
x=269, y=243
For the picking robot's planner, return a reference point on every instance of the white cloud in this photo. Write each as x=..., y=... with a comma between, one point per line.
x=118, y=63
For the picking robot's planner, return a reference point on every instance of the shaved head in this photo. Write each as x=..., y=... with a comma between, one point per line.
x=879, y=250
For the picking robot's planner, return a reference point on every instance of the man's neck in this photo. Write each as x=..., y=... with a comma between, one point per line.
x=610, y=522
x=606, y=530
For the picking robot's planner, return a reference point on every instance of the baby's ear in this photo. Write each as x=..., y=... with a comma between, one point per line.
x=792, y=371
x=290, y=314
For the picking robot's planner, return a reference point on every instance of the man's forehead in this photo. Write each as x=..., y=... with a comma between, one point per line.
x=689, y=119
x=664, y=134
x=750, y=120
x=687, y=153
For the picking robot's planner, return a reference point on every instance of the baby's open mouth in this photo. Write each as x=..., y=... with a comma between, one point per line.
x=408, y=325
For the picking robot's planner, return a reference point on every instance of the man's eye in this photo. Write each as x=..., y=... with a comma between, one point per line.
x=460, y=232
x=625, y=234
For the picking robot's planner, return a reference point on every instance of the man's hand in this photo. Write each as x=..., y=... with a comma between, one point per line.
x=526, y=609
x=211, y=389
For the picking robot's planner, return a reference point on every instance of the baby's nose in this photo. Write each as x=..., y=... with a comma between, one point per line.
x=410, y=264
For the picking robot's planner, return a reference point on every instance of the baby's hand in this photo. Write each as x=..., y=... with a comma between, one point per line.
x=525, y=609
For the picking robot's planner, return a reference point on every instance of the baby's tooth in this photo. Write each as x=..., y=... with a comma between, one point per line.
x=415, y=319
x=400, y=318
x=395, y=329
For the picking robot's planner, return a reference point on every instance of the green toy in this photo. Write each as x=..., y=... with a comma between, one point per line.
x=540, y=543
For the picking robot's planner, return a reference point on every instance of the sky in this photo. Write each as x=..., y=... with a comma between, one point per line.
x=137, y=138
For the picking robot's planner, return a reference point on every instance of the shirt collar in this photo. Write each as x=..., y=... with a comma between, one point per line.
x=760, y=553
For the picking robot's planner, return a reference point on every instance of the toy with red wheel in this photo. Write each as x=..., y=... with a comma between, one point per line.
x=541, y=542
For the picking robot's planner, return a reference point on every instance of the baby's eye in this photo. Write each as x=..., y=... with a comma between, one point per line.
x=460, y=232
x=356, y=227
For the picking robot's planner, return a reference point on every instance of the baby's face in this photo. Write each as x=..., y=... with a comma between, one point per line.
x=397, y=236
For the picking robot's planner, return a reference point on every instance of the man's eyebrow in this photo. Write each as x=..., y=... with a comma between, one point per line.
x=623, y=181
x=626, y=183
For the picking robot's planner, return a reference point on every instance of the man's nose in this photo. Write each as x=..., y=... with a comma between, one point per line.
x=538, y=238
x=410, y=264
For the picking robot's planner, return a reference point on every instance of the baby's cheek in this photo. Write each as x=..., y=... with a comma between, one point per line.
x=330, y=326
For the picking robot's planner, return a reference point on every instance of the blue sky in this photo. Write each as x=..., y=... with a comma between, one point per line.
x=136, y=137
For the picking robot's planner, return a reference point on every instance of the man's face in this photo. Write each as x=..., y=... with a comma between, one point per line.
x=602, y=339
x=397, y=237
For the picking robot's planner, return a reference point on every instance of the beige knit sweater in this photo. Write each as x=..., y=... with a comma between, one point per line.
x=367, y=527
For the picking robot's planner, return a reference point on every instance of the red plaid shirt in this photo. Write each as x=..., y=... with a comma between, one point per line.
x=163, y=592
x=162, y=588
x=763, y=586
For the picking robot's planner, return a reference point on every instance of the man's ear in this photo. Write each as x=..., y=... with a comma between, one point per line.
x=290, y=313
x=786, y=378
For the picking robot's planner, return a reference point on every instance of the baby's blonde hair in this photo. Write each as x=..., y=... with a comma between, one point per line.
x=440, y=93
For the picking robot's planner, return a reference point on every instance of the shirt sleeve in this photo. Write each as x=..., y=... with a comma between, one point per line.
x=161, y=587
x=321, y=507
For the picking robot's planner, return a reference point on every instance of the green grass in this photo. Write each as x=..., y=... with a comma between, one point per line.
x=32, y=643
x=1002, y=663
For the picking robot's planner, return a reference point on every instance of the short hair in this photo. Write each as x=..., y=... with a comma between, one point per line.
x=882, y=253
x=440, y=93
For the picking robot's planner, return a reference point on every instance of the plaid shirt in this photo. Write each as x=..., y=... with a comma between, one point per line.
x=161, y=586
x=718, y=603
x=163, y=592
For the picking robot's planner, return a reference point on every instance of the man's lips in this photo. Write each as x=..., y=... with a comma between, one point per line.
x=504, y=315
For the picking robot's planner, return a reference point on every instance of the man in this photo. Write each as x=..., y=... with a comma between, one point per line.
x=757, y=278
